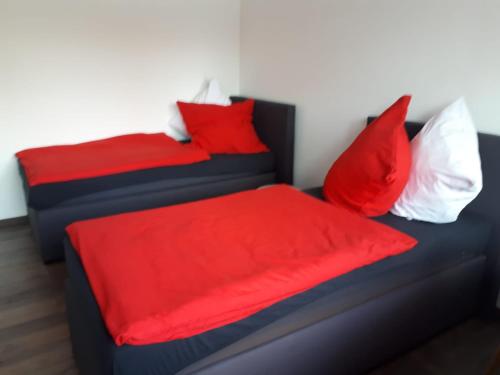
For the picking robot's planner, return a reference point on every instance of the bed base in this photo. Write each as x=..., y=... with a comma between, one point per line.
x=342, y=335
x=364, y=336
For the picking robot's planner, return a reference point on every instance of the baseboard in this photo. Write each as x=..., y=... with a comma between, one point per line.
x=14, y=221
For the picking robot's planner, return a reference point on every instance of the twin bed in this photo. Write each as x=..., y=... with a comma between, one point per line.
x=53, y=206
x=344, y=324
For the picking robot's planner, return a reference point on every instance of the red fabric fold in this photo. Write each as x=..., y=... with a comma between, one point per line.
x=371, y=174
x=178, y=271
x=104, y=157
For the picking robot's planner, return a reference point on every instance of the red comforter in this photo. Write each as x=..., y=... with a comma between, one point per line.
x=106, y=156
x=174, y=272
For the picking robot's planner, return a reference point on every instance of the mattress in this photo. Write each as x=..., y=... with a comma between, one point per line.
x=440, y=246
x=218, y=168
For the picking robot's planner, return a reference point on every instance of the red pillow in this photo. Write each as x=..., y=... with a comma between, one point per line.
x=222, y=129
x=371, y=174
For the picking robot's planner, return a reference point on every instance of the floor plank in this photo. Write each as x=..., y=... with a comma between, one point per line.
x=51, y=360
x=34, y=337
x=465, y=350
x=21, y=347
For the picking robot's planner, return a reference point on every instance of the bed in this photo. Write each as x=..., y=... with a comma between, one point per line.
x=52, y=206
x=336, y=327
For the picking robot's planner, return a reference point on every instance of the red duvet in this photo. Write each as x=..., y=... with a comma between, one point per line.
x=174, y=272
x=120, y=154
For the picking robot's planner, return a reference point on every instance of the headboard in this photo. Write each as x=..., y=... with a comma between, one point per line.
x=487, y=203
x=275, y=125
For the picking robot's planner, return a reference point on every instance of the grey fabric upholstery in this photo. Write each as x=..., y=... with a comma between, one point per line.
x=275, y=125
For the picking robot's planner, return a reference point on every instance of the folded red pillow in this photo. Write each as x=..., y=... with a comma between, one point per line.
x=222, y=129
x=371, y=174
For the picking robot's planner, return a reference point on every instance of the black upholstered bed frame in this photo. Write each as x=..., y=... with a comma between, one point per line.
x=275, y=125
x=348, y=333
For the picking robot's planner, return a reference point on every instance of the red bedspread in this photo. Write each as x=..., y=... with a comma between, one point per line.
x=106, y=156
x=174, y=272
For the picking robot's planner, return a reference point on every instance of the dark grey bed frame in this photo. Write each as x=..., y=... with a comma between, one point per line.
x=348, y=332
x=275, y=125
x=487, y=204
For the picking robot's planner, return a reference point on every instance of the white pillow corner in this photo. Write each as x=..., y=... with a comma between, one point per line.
x=210, y=93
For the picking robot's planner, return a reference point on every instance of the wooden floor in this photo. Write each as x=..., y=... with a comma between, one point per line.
x=34, y=337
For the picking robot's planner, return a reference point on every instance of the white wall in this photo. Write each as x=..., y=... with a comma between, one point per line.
x=75, y=70
x=340, y=61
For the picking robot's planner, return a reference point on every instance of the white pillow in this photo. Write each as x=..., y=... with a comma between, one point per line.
x=446, y=172
x=210, y=94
